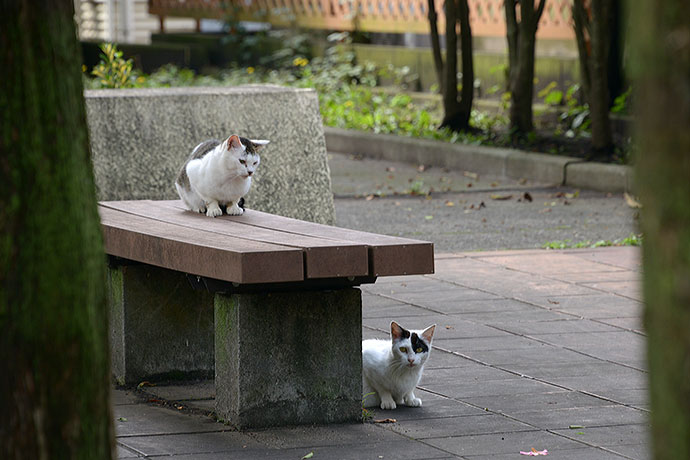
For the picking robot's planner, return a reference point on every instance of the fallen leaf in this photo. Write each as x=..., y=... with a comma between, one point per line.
x=390, y=169
x=469, y=185
x=369, y=197
x=631, y=201
x=154, y=400
x=450, y=203
x=308, y=456
x=386, y=420
x=471, y=175
x=501, y=197
x=484, y=220
x=146, y=384
x=545, y=210
x=534, y=452
x=422, y=168
x=428, y=217
x=482, y=205
x=555, y=302
x=121, y=419
x=575, y=427
x=527, y=196
x=494, y=184
x=450, y=327
x=522, y=181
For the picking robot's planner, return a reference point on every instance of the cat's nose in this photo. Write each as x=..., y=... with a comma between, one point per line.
x=249, y=173
x=410, y=360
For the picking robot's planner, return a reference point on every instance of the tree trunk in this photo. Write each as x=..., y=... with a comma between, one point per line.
x=55, y=378
x=435, y=44
x=602, y=141
x=467, y=94
x=616, y=74
x=661, y=31
x=521, y=38
x=582, y=25
x=450, y=76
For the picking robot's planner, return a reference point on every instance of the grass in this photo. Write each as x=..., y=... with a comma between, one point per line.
x=632, y=240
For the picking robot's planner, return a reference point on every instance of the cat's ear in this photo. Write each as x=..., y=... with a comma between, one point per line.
x=259, y=143
x=398, y=332
x=428, y=333
x=234, y=142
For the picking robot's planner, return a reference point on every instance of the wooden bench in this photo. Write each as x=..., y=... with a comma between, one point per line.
x=267, y=305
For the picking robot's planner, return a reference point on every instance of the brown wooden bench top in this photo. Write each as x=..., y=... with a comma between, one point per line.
x=253, y=248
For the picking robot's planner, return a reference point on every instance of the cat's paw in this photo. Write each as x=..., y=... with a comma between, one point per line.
x=413, y=402
x=388, y=404
x=235, y=210
x=213, y=210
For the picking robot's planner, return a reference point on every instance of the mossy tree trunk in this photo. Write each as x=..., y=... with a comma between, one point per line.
x=594, y=30
x=521, y=36
x=661, y=31
x=54, y=381
x=456, y=113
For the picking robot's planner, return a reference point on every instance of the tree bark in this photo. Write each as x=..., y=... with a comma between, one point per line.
x=450, y=75
x=521, y=36
x=435, y=44
x=583, y=31
x=55, y=378
x=467, y=94
x=661, y=32
x=602, y=141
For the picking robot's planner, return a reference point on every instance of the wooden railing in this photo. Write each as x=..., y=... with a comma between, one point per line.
x=487, y=16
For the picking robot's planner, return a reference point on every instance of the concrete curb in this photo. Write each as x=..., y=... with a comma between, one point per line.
x=511, y=163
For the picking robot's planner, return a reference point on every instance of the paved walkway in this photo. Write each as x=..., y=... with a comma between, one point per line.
x=533, y=349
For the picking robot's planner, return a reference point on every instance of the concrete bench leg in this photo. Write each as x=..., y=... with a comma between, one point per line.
x=289, y=358
x=159, y=325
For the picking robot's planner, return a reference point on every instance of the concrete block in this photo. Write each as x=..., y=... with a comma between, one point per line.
x=159, y=326
x=539, y=167
x=141, y=137
x=288, y=358
x=599, y=176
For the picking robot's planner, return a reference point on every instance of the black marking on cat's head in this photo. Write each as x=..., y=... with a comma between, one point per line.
x=252, y=147
x=418, y=344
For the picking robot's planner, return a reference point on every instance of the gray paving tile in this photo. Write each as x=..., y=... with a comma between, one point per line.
x=142, y=419
x=610, y=435
x=596, y=305
x=393, y=311
x=590, y=367
x=472, y=373
x=433, y=406
x=483, y=306
x=547, y=354
x=514, y=387
x=439, y=299
x=559, y=326
x=554, y=400
x=197, y=443
x=123, y=452
x=121, y=397
x=634, y=451
x=512, y=317
x=442, y=360
x=604, y=384
x=634, y=324
x=492, y=445
x=586, y=416
x=588, y=453
x=458, y=426
x=203, y=389
x=320, y=436
x=498, y=342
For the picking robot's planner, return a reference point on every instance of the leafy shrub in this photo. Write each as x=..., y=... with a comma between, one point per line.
x=113, y=71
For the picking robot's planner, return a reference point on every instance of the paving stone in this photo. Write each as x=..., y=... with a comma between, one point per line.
x=442, y=360
x=473, y=372
x=615, y=274
x=442, y=298
x=632, y=289
x=121, y=396
x=515, y=387
x=633, y=324
x=591, y=306
x=325, y=435
x=513, y=317
x=588, y=453
x=492, y=445
x=124, y=452
x=586, y=416
x=633, y=451
x=509, y=404
x=623, y=257
x=559, y=326
x=610, y=435
x=458, y=426
x=588, y=368
x=546, y=354
x=433, y=406
x=393, y=311
x=604, y=384
x=203, y=389
x=142, y=419
x=483, y=306
x=501, y=341
x=197, y=443
x=546, y=263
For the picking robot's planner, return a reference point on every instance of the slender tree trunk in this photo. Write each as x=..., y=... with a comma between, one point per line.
x=661, y=32
x=54, y=382
x=450, y=76
x=521, y=38
x=616, y=74
x=602, y=141
x=582, y=33
x=467, y=95
x=436, y=45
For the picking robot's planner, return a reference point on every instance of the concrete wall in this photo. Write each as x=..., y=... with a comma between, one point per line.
x=141, y=137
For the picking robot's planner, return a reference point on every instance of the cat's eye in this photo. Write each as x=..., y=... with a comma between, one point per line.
x=403, y=349
x=243, y=162
x=255, y=163
x=418, y=350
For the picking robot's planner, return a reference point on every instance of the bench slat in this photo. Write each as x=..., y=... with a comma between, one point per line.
x=389, y=255
x=200, y=253
x=324, y=257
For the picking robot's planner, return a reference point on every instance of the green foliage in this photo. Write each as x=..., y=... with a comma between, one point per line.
x=113, y=71
x=632, y=240
x=620, y=104
x=551, y=95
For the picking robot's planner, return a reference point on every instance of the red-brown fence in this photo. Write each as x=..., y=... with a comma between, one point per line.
x=487, y=16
